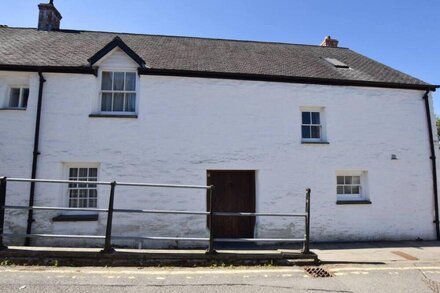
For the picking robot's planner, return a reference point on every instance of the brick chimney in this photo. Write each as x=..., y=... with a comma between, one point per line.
x=49, y=18
x=329, y=42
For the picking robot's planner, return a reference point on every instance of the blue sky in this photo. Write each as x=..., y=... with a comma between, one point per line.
x=404, y=34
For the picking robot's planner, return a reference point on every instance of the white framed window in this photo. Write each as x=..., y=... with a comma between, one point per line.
x=118, y=92
x=313, y=125
x=82, y=195
x=351, y=185
x=18, y=97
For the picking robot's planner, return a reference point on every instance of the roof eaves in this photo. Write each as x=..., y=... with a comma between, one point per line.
x=116, y=42
x=287, y=79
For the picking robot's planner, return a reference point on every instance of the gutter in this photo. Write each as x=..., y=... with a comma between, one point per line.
x=281, y=78
x=433, y=162
x=36, y=153
x=53, y=69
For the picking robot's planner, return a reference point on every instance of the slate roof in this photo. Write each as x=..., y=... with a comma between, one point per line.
x=69, y=48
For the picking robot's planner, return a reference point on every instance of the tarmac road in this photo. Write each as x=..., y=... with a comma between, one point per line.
x=399, y=277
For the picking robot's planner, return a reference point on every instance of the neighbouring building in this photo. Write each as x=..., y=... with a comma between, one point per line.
x=260, y=120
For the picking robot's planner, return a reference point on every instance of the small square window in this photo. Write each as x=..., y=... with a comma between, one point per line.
x=18, y=97
x=351, y=186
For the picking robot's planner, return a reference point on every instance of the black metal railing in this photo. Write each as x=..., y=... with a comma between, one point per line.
x=108, y=248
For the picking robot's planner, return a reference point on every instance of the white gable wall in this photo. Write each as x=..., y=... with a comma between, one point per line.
x=186, y=126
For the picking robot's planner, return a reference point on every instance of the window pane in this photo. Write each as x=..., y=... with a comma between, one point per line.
x=25, y=98
x=14, y=99
x=106, y=80
x=347, y=189
x=92, y=193
x=305, y=131
x=305, y=117
x=356, y=180
x=348, y=180
x=106, y=102
x=73, y=172
x=340, y=179
x=315, y=118
x=118, y=83
x=340, y=189
x=355, y=189
x=83, y=173
x=130, y=81
x=130, y=102
x=118, y=102
x=93, y=172
x=92, y=203
x=316, y=131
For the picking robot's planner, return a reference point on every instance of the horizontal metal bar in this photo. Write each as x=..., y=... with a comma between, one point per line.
x=161, y=238
x=56, y=209
x=258, y=240
x=108, y=183
x=240, y=214
x=57, y=181
x=163, y=185
x=53, y=236
x=160, y=212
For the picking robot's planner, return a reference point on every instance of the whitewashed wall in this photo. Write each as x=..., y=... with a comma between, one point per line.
x=186, y=126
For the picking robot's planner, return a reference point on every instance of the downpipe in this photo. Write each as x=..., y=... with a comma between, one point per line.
x=433, y=162
x=36, y=153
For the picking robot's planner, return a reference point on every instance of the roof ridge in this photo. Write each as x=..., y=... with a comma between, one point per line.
x=183, y=37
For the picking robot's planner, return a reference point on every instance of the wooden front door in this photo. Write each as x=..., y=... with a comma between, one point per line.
x=234, y=192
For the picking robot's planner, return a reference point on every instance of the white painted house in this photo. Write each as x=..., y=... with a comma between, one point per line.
x=261, y=121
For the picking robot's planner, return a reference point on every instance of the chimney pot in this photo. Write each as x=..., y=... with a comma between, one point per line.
x=49, y=17
x=329, y=42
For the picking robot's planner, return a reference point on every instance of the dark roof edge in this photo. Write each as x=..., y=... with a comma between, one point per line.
x=222, y=75
x=54, y=69
x=116, y=42
x=287, y=79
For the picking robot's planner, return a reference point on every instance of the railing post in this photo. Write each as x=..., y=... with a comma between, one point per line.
x=108, y=231
x=3, y=181
x=211, y=216
x=306, y=248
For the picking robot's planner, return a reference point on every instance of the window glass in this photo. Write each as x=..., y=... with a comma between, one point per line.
x=305, y=131
x=25, y=97
x=130, y=81
x=315, y=131
x=14, y=99
x=130, y=102
x=106, y=103
x=118, y=102
x=315, y=118
x=107, y=79
x=348, y=185
x=118, y=83
x=305, y=117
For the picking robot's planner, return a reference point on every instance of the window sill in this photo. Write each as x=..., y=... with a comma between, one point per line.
x=314, y=142
x=343, y=202
x=14, y=108
x=113, y=116
x=75, y=218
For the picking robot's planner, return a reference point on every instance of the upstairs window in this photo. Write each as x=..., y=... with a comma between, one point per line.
x=82, y=195
x=311, y=128
x=118, y=92
x=18, y=97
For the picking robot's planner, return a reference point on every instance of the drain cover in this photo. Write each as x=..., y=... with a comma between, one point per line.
x=317, y=272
